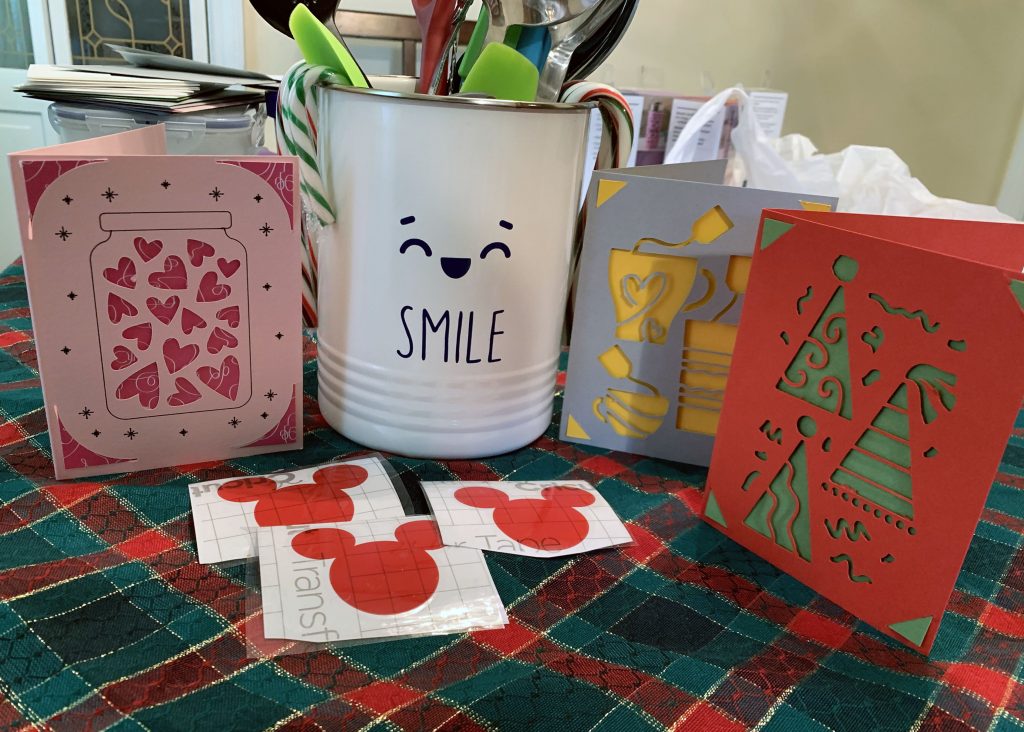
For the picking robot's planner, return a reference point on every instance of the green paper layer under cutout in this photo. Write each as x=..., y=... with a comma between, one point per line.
x=913, y=630
x=713, y=511
x=772, y=230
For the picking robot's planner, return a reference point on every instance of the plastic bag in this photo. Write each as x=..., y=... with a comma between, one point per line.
x=871, y=180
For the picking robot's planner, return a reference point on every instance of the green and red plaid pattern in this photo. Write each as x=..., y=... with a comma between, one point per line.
x=107, y=621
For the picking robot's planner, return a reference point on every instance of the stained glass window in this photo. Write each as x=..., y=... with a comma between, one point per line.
x=15, y=35
x=153, y=25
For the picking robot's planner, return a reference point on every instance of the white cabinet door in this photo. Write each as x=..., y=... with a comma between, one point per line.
x=74, y=32
x=23, y=123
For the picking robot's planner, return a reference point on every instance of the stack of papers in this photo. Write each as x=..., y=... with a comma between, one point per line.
x=340, y=560
x=140, y=89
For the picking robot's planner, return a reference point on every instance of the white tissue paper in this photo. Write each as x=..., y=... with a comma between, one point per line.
x=871, y=180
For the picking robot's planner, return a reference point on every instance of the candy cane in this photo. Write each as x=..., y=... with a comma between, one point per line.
x=298, y=107
x=617, y=139
x=616, y=145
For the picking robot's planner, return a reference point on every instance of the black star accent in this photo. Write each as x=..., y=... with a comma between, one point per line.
x=257, y=198
x=235, y=421
x=63, y=234
x=279, y=335
x=183, y=432
x=216, y=193
x=96, y=433
x=72, y=295
x=264, y=415
x=86, y=412
x=270, y=395
x=267, y=286
x=266, y=229
x=65, y=350
x=131, y=434
x=67, y=200
x=166, y=184
x=109, y=195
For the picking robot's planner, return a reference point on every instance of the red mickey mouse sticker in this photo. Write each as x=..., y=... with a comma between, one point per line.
x=532, y=518
x=378, y=577
x=322, y=501
x=550, y=522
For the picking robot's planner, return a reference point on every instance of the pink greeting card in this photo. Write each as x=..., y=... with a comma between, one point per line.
x=530, y=518
x=165, y=302
x=372, y=579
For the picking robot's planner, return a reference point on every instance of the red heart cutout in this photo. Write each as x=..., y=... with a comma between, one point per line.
x=123, y=358
x=210, y=290
x=198, y=251
x=164, y=311
x=118, y=307
x=230, y=315
x=178, y=357
x=220, y=339
x=123, y=274
x=148, y=249
x=145, y=384
x=228, y=267
x=224, y=380
x=190, y=321
x=142, y=334
x=322, y=501
x=186, y=393
x=173, y=277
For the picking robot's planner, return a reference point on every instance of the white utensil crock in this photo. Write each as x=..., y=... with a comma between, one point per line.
x=443, y=282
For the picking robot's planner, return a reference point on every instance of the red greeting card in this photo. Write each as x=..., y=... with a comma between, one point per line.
x=165, y=302
x=875, y=382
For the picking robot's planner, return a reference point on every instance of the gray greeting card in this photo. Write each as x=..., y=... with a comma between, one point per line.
x=664, y=268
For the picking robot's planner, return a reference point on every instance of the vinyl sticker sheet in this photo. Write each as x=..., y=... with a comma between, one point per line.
x=227, y=513
x=372, y=580
x=534, y=518
x=876, y=379
x=165, y=302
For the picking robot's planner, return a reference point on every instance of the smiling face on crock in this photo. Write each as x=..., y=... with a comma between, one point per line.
x=457, y=267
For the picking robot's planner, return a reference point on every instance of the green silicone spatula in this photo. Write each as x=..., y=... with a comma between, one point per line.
x=320, y=47
x=503, y=73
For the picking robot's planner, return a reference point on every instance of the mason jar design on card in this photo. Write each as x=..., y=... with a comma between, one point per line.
x=172, y=313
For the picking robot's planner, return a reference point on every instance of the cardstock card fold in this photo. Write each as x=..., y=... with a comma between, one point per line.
x=875, y=382
x=165, y=303
x=228, y=513
x=532, y=518
x=372, y=580
x=663, y=279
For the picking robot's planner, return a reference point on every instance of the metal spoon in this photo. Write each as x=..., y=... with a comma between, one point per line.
x=553, y=74
x=507, y=13
x=589, y=56
x=442, y=80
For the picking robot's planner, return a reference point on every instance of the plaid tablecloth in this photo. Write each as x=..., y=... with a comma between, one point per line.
x=106, y=619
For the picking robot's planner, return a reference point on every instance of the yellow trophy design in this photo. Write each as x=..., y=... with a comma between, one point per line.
x=649, y=290
x=707, y=355
x=630, y=413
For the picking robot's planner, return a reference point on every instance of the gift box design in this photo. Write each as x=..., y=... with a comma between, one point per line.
x=871, y=394
x=165, y=311
x=664, y=271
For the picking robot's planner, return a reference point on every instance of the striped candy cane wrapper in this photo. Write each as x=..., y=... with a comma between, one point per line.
x=616, y=114
x=297, y=114
x=616, y=144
